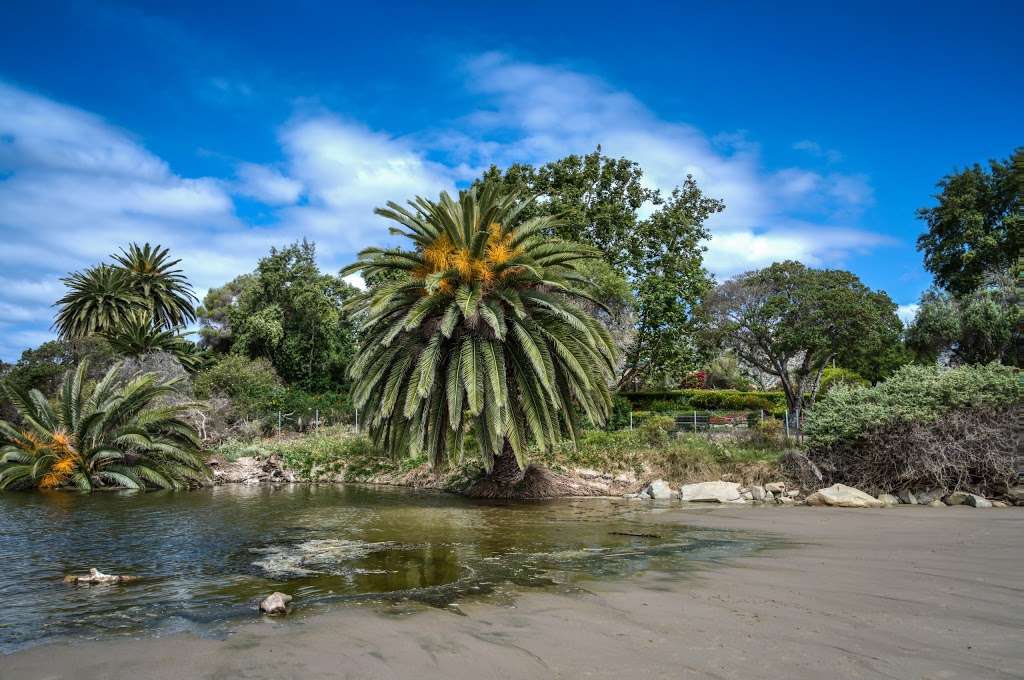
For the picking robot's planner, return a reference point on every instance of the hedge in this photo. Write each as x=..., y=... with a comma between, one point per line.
x=723, y=400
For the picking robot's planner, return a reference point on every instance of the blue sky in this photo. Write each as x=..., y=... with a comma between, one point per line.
x=221, y=129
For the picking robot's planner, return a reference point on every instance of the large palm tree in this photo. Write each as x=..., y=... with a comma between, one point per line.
x=112, y=434
x=475, y=330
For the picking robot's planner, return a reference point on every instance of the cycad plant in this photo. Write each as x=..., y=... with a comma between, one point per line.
x=113, y=434
x=475, y=332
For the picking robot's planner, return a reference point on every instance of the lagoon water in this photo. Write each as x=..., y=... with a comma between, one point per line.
x=206, y=557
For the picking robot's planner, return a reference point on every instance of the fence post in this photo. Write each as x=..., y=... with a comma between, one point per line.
x=787, y=424
x=278, y=423
x=631, y=419
x=357, y=419
x=317, y=420
x=695, y=422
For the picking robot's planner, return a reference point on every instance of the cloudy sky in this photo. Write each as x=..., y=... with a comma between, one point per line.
x=223, y=131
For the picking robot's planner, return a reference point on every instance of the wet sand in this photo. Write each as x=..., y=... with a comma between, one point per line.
x=895, y=593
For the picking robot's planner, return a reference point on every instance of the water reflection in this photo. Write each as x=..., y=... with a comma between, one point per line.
x=206, y=557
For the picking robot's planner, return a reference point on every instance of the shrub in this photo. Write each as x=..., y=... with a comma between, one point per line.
x=831, y=377
x=252, y=385
x=655, y=429
x=924, y=427
x=912, y=394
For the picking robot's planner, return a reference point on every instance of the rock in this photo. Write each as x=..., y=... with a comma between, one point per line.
x=275, y=604
x=1015, y=494
x=587, y=473
x=711, y=492
x=907, y=497
x=842, y=496
x=976, y=501
x=658, y=490
x=888, y=499
x=926, y=497
x=793, y=493
x=1000, y=504
x=936, y=504
x=784, y=500
x=775, y=487
x=758, y=494
x=97, y=576
x=746, y=495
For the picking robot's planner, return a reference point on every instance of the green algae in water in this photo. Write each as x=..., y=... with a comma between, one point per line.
x=206, y=557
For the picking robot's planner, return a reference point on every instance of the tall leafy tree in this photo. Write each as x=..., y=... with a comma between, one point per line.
x=979, y=327
x=215, y=313
x=290, y=313
x=477, y=330
x=977, y=227
x=790, y=321
x=598, y=200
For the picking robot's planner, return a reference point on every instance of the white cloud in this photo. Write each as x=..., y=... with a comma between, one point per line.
x=818, y=151
x=540, y=113
x=908, y=312
x=267, y=184
x=74, y=187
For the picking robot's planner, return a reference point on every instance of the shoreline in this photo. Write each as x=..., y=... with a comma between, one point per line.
x=896, y=592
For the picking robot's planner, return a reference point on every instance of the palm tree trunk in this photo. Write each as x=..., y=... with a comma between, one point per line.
x=506, y=468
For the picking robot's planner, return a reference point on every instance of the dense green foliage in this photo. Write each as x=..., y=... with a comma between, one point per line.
x=288, y=312
x=114, y=433
x=913, y=394
x=478, y=331
x=597, y=200
x=790, y=321
x=984, y=325
x=831, y=377
x=714, y=400
x=977, y=228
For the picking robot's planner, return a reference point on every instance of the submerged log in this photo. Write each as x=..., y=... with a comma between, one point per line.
x=96, y=576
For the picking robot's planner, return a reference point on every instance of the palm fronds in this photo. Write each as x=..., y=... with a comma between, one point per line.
x=477, y=331
x=115, y=433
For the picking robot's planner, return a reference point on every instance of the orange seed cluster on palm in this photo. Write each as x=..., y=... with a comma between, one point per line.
x=442, y=256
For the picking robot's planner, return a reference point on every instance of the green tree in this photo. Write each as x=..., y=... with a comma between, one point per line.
x=597, y=201
x=478, y=333
x=979, y=327
x=214, y=314
x=120, y=434
x=290, y=313
x=790, y=321
x=977, y=228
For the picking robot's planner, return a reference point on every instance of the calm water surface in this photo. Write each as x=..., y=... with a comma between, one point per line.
x=206, y=557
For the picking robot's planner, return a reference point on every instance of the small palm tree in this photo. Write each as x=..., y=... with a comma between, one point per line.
x=112, y=434
x=98, y=300
x=476, y=330
x=153, y=277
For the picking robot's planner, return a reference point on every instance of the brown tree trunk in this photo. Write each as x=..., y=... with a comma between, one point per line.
x=506, y=470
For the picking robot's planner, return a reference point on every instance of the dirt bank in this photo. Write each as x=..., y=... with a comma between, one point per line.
x=907, y=592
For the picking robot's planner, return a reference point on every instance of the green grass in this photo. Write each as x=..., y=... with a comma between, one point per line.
x=686, y=457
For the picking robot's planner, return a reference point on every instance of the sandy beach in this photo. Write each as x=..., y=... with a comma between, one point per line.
x=907, y=592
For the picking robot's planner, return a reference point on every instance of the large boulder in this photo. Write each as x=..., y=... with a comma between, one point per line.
x=711, y=492
x=758, y=493
x=842, y=496
x=775, y=487
x=658, y=490
x=275, y=604
x=888, y=499
x=1016, y=495
x=965, y=498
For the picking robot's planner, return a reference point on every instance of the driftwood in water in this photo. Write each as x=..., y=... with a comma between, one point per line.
x=627, y=533
x=96, y=576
